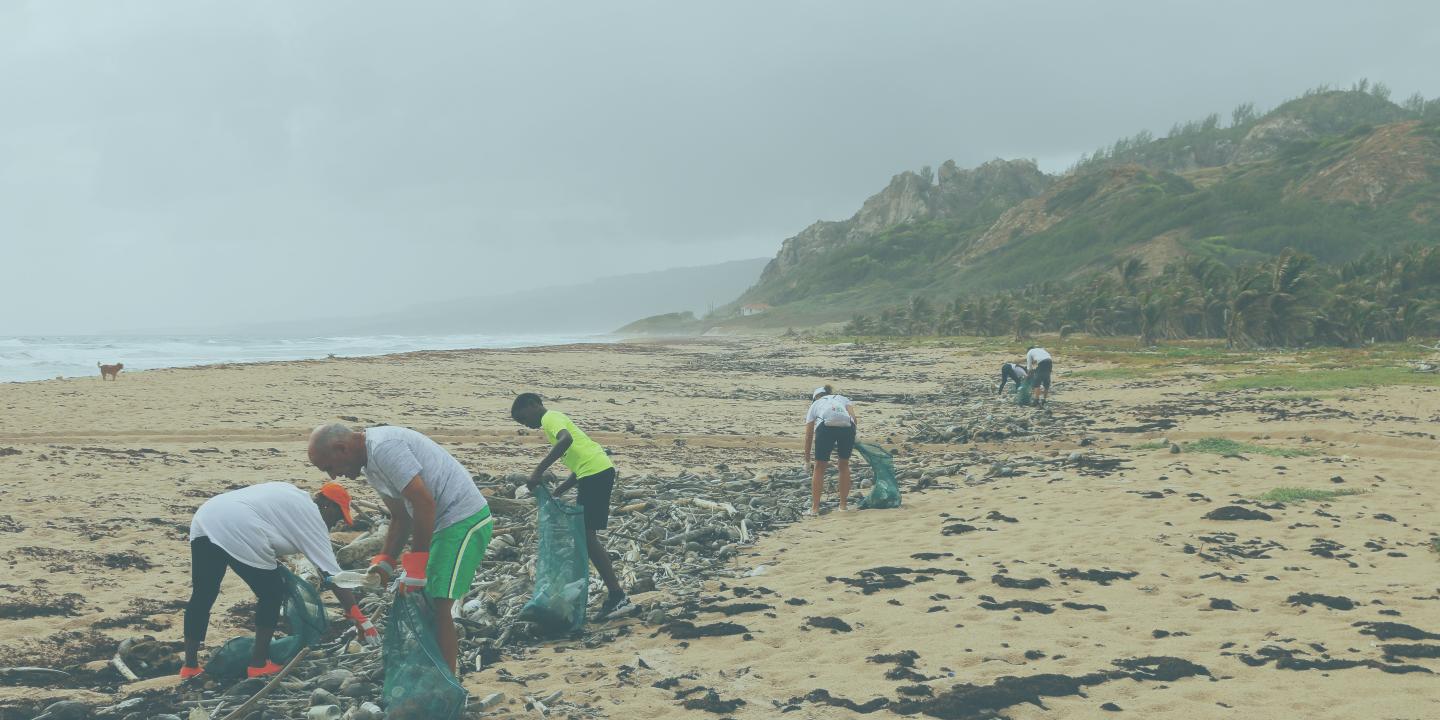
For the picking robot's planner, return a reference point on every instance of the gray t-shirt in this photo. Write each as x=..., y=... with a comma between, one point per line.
x=395, y=455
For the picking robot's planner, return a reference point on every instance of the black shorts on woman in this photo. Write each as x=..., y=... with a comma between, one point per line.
x=840, y=439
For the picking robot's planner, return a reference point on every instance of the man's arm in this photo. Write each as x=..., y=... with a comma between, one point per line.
x=423, y=504
x=562, y=444
x=399, y=529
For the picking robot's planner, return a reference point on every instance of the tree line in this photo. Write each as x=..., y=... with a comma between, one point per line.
x=1288, y=301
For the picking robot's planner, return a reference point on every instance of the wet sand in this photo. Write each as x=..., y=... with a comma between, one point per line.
x=1095, y=585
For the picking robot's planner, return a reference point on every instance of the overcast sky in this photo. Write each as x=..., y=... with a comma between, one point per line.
x=173, y=162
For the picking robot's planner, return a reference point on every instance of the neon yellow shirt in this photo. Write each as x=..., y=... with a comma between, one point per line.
x=585, y=456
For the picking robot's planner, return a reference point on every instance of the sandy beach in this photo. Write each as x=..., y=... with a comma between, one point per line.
x=1072, y=556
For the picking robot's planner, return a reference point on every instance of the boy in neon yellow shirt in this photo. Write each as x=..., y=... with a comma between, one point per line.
x=591, y=469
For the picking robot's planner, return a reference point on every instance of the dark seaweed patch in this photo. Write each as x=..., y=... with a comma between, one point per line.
x=1006, y=581
x=1104, y=577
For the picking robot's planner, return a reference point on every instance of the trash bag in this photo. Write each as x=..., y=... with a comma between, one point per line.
x=885, y=493
x=562, y=568
x=418, y=682
x=1022, y=394
x=303, y=612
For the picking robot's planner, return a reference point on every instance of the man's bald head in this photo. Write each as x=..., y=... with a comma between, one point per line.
x=337, y=450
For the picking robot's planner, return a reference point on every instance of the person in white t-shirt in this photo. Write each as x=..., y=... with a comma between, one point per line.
x=829, y=427
x=248, y=531
x=1037, y=361
x=1011, y=372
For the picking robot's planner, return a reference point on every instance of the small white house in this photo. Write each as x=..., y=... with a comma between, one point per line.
x=754, y=309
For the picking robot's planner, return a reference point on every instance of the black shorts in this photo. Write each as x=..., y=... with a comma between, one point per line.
x=1042, y=375
x=839, y=439
x=593, y=494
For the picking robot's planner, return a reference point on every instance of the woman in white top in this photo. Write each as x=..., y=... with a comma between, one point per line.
x=829, y=426
x=248, y=530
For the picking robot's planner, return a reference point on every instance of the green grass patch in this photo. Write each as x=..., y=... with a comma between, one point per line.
x=1223, y=446
x=1120, y=373
x=1294, y=495
x=1338, y=379
x=1156, y=445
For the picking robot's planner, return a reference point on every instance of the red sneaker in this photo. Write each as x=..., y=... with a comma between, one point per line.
x=189, y=672
x=270, y=669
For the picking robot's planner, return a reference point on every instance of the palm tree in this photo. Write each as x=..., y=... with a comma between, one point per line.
x=1130, y=269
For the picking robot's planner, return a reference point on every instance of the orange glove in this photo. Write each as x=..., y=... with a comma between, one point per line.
x=414, y=564
x=365, y=629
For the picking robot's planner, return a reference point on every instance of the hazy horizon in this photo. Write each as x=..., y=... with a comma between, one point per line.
x=185, y=163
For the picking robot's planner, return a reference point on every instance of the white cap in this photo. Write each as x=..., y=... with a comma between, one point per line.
x=818, y=392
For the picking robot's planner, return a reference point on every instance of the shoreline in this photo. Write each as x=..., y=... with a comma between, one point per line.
x=524, y=343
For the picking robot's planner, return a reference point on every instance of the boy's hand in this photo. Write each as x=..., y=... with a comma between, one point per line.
x=536, y=478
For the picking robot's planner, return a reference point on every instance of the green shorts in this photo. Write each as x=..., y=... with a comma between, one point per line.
x=455, y=555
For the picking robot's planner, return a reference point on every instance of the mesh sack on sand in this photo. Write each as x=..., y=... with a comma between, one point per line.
x=885, y=492
x=303, y=613
x=1022, y=395
x=418, y=682
x=562, y=567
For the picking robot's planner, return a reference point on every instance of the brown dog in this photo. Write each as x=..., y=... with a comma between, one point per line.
x=113, y=371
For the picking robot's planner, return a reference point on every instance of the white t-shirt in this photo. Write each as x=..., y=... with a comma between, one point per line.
x=830, y=410
x=1019, y=370
x=395, y=455
x=1034, y=357
x=259, y=524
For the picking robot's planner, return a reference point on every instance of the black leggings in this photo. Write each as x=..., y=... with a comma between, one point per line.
x=1007, y=373
x=207, y=569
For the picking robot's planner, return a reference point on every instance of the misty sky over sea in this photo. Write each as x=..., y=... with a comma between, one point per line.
x=181, y=162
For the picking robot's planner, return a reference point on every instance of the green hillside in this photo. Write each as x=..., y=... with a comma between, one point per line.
x=1333, y=175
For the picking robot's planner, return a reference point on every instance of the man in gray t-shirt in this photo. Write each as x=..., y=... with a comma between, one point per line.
x=396, y=455
x=434, y=506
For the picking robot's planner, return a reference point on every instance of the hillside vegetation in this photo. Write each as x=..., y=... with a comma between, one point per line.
x=1328, y=179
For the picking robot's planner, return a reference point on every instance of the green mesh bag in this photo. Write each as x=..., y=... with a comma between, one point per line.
x=885, y=493
x=418, y=682
x=303, y=613
x=562, y=568
x=1022, y=393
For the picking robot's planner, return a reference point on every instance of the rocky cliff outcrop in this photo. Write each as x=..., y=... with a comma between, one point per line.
x=1376, y=168
x=913, y=197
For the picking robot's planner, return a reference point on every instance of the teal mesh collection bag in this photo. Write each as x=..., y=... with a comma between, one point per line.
x=418, y=682
x=1022, y=394
x=562, y=568
x=885, y=493
x=304, y=614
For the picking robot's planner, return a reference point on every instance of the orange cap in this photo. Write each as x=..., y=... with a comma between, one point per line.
x=341, y=496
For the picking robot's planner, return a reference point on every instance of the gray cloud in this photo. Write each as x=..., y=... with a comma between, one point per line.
x=182, y=161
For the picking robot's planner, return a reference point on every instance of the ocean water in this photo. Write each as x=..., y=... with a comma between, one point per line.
x=25, y=358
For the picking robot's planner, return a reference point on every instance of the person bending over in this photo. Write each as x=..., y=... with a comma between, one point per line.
x=829, y=427
x=1011, y=372
x=247, y=530
x=592, y=472
x=435, y=508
